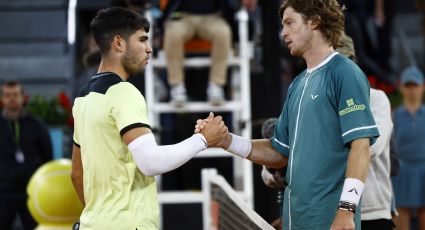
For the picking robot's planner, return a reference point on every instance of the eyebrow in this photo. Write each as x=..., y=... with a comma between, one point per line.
x=286, y=20
x=144, y=37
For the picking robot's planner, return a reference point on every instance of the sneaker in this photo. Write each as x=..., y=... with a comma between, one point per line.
x=215, y=94
x=178, y=94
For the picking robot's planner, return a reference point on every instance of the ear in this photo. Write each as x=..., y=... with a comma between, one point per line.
x=118, y=44
x=315, y=22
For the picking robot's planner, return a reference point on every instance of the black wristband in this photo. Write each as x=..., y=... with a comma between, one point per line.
x=347, y=206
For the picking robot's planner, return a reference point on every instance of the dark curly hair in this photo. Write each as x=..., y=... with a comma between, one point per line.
x=327, y=13
x=116, y=21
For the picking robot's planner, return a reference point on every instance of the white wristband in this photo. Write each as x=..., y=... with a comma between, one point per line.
x=240, y=146
x=352, y=191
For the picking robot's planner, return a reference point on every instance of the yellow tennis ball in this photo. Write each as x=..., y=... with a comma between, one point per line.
x=52, y=199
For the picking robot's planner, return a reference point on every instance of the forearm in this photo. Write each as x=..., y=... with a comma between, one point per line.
x=357, y=168
x=153, y=160
x=261, y=151
x=358, y=159
x=264, y=154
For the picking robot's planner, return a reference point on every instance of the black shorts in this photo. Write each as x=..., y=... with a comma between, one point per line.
x=381, y=224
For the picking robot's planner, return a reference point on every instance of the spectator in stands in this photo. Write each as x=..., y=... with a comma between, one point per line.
x=409, y=133
x=25, y=145
x=185, y=20
x=373, y=58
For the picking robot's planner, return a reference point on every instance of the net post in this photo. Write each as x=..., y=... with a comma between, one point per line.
x=207, y=175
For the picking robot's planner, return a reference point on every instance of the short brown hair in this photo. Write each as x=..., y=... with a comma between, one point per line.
x=11, y=84
x=327, y=12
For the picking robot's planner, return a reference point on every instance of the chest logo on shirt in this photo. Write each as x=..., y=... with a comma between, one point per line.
x=351, y=107
x=314, y=96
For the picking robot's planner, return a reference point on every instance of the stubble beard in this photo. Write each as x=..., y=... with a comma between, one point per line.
x=130, y=64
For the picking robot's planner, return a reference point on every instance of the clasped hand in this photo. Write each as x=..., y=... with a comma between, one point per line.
x=214, y=130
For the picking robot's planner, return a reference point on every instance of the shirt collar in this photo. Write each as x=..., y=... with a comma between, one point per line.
x=324, y=62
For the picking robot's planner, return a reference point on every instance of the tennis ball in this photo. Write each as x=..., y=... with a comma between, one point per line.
x=52, y=199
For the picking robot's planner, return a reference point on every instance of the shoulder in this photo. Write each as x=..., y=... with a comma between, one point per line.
x=35, y=120
x=124, y=89
x=124, y=92
x=84, y=90
x=99, y=83
x=379, y=101
x=343, y=68
x=379, y=95
x=399, y=111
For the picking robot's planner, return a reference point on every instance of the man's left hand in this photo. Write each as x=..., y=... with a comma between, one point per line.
x=344, y=220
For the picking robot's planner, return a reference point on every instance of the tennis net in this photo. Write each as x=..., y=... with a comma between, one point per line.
x=223, y=208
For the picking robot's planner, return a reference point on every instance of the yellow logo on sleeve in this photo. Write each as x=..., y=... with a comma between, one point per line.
x=351, y=107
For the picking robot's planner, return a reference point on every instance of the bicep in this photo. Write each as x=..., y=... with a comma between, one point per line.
x=134, y=133
x=360, y=146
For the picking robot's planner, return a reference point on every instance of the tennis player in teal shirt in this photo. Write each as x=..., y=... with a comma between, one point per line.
x=327, y=108
x=326, y=126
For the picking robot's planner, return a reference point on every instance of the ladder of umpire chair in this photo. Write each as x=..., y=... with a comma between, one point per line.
x=239, y=106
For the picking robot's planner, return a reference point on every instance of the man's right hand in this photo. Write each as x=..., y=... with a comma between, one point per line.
x=275, y=180
x=214, y=131
x=344, y=220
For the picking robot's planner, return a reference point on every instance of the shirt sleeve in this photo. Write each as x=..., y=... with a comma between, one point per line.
x=280, y=139
x=355, y=116
x=75, y=138
x=127, y=106
x=381, y=110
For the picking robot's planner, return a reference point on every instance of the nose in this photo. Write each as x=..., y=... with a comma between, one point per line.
x=284, y=33
x=148, y=49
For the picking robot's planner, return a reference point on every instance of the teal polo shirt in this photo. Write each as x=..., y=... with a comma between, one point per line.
x=326, y=108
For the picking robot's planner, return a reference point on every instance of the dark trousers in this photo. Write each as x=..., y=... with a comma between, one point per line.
x=10, y=205
x=381, y=224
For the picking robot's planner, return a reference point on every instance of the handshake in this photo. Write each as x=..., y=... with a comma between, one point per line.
x=215, y=131
x=216, y=134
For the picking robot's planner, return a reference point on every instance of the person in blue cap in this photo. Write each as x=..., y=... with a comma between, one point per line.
x=409, y=131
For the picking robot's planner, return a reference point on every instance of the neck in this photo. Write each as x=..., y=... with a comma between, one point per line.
x=318, y=52
x=112, y=65
x=412, y=105
x=12, y=114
